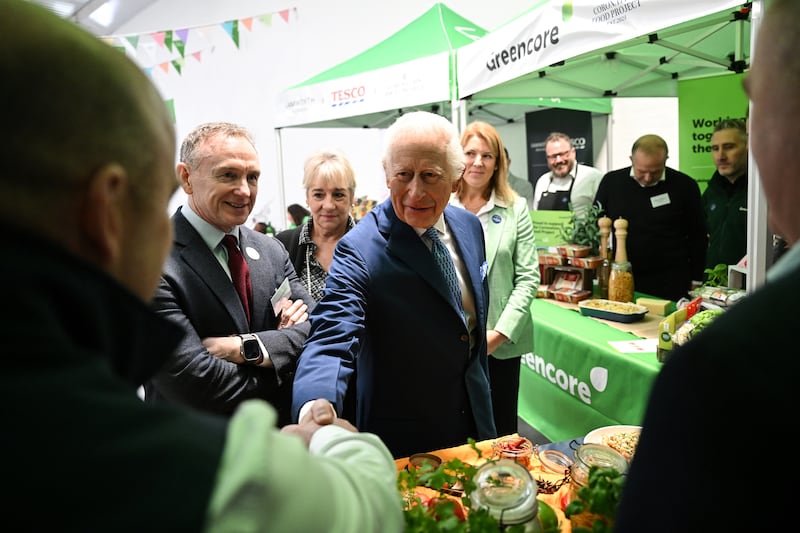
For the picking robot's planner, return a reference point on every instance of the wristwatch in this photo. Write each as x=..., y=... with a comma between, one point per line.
x=250, y=349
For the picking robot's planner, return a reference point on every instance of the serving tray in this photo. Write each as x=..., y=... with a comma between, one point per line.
x=611, y=310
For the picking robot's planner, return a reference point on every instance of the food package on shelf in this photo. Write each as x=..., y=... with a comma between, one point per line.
x=574, y=250
x=591, y=261
x=720, y=296
x=551, y=259
x=695, y=325
x=543, y=291
x=678, y=327
x=572, y=296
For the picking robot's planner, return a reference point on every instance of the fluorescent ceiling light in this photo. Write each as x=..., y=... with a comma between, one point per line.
x=104, y=15
x=62, y=9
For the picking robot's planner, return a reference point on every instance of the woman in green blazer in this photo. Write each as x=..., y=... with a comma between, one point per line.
x=512, y=260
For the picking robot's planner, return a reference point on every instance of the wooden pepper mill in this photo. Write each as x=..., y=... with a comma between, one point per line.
x=620, y=281
x=604, y=270
x=621, y=234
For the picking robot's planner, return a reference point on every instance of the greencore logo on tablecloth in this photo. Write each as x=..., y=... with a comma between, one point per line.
x=598, y=377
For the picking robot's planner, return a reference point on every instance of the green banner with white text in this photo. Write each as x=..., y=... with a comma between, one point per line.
x=702, y=103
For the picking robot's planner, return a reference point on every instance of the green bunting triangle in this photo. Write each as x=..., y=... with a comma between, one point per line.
x=178, y=64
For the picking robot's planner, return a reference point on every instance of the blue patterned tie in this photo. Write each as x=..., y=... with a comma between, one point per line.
x=445, y=263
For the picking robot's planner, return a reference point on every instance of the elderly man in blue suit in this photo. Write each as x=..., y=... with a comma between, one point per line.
x=415, y=350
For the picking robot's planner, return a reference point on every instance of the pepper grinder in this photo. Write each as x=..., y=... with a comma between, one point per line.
x=604, y=270
x=621, y=234
x=620, y=281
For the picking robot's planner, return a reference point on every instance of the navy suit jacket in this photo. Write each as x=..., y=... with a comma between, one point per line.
x=197, y=294
x=387, y=314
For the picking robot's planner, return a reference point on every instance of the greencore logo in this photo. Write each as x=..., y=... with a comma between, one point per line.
x=598, y=377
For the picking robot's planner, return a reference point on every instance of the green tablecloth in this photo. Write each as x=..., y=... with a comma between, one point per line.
x=575, y=381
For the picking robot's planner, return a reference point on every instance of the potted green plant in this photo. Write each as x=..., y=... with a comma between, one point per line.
x=584, y=229
x=595, y=507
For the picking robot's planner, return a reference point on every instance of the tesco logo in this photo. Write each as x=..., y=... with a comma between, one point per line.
x=348, y=94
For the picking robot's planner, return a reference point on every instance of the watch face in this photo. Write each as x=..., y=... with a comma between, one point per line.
x=250, y=350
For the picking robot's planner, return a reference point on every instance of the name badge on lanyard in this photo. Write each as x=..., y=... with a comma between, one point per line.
x=660, y=200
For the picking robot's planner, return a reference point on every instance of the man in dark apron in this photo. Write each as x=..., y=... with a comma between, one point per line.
x=556, y=200
x=568, y=185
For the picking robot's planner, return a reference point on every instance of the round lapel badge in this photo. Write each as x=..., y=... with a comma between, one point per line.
x=496, y=219
x=252, y=253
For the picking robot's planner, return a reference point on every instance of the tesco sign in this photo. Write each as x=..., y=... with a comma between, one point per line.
x=353, y=93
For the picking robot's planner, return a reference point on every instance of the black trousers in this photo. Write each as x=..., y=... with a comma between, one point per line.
x=504, y=380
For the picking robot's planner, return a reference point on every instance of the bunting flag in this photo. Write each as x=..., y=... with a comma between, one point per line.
x=158, y=37
x=232, y=27
x=178, y=64
x=150, y=53
x=179, y=45
x=183, y=35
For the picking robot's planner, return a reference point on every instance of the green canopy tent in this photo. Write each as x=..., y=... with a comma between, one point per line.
x=637, y=48
x=587, y=49
x=411, y=69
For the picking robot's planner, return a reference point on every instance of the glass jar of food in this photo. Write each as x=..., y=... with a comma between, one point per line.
x=620, y=282
x=513, y=447
x=586, y=456
x=508, y=492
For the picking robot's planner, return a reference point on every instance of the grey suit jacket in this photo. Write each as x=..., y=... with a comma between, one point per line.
x=196, y=293
x=388, y=316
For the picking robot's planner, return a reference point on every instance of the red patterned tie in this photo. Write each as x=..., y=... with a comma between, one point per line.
x=240, y=273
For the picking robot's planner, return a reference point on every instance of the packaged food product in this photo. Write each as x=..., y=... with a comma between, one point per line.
x=592, y=261
x=574, y=250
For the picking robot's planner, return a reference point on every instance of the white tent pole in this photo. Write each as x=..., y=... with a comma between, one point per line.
x=459, y=110
x=281, y=173
x=759, y=243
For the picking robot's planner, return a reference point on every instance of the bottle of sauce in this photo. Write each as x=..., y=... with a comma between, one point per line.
x=620, y=281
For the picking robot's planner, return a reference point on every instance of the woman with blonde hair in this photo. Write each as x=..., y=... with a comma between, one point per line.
x=513, y=264
x=330, y=184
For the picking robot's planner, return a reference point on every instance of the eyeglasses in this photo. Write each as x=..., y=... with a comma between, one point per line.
x=562, y=155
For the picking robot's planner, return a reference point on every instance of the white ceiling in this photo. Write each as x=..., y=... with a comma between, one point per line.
x=101, y=17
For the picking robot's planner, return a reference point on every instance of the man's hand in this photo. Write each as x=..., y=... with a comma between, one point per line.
x=227, y=348
x=321, y=414
x=293, y=312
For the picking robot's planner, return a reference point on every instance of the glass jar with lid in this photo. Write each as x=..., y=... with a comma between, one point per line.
x=586, y=456
x=508, y=492
x=620, y=282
